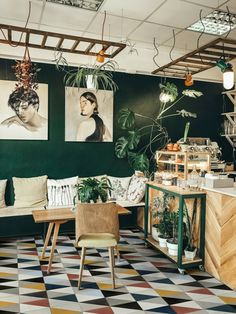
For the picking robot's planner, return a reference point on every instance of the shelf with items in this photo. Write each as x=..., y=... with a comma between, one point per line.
x=229, y=129
x=181, y=162
x=183, y=200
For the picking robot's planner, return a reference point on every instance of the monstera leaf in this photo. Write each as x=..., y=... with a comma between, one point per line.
x=133, y=139
x=138, y=161
x=185, y=113
x=192, y=93
x=121, y=147
x=126, y=118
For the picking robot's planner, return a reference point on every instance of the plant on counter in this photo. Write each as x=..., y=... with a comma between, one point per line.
x=97, y=75
x=190, y=249
x=131, y=145
x=92, y=189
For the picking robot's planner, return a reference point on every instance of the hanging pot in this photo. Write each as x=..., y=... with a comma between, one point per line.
x=90, y=81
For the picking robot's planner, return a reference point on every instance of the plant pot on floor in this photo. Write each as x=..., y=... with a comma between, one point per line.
x=190, y=254
x=162, y=240
x=172, y=245
x=155, y=233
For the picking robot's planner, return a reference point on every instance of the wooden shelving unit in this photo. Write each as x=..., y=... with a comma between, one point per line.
x=231, y=117
x=183, y=161
x=182, y=196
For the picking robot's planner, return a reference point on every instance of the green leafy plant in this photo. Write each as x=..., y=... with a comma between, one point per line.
x=92, y=189
x=161, y=209
x=131, y=145
x=102, y=75
x=190, y=225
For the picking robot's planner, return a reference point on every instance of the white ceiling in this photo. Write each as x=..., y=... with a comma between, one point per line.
x=139, y=21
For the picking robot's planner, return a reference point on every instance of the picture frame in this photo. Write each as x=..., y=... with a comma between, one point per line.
x=93, y=123
x=23, y=114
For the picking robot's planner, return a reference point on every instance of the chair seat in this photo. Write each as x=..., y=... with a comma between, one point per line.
x=97, y=240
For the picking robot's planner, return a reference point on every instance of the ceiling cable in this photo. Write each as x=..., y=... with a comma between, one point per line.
x=156, y=52
x=198, y=40
x=9, y=40
x=173, y=46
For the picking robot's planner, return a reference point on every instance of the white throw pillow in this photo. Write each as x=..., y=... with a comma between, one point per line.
x=30, y=191
x=3, y=184
x=119, y=187
x=61, y=192
x=136, y=189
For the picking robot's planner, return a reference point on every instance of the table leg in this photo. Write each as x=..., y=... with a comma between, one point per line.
x=51, y=224
x=54, y=240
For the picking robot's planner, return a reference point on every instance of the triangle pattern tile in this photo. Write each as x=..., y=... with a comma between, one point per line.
x=147, y=282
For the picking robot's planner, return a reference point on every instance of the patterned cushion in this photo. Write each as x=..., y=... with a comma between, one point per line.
x=61, y=192
x=3, y=184
x=136, y=189
x=120, y=187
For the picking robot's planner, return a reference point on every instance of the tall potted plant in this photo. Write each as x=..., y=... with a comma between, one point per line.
x=190, y=249
x=134, y=144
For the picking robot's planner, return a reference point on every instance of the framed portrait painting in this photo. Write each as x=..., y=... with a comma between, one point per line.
x=88, y=115
x=23, y=114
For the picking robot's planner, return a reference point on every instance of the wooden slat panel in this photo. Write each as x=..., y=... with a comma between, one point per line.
x=117, y=46
x=209, y=52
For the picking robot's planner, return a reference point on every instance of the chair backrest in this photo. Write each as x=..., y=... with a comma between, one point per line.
x=97, y=218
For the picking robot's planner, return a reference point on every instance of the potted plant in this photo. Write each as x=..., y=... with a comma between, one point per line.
x=87, y=75
x=140, y=142
x=172, y=243
x=161, y=212
x=190, y=249
x=93, y=190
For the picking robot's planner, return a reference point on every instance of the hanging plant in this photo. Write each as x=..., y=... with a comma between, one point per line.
x=26, y=72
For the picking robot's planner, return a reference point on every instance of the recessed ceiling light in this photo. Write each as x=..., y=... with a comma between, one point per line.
x=216, y=23
x=83, y=4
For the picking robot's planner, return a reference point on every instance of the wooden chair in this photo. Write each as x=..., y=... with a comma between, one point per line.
x=97, y=226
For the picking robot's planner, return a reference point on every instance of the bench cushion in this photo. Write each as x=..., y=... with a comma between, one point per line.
x=30, y=191
x=2, y=192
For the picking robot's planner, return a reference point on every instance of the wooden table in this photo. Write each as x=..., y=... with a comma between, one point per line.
x=56, y=217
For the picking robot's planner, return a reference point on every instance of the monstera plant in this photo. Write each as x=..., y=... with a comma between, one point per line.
x=132, y=144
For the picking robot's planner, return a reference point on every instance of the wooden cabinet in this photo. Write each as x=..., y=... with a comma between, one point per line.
x=183, y=198
x=181, y=162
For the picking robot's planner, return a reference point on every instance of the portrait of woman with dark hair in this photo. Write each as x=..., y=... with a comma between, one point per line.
x=23, y=113
x=92, y=128
x=88, y=115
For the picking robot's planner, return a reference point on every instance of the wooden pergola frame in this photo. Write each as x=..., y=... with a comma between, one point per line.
x=11, y=32
x=200, y=59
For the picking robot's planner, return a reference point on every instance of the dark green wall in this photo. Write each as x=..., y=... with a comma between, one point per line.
x=59, y=159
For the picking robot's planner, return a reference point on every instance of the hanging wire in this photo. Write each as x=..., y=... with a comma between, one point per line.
x=198, y=40
x=230, y=27
x=157, y=52
x=8, y=41
x=103, y=24
x=173, y=46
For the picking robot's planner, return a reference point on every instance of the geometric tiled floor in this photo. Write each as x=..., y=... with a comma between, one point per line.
x=146, y=281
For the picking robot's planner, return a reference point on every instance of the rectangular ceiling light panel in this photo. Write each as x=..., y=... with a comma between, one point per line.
x=216, y=23
x=92, y=5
